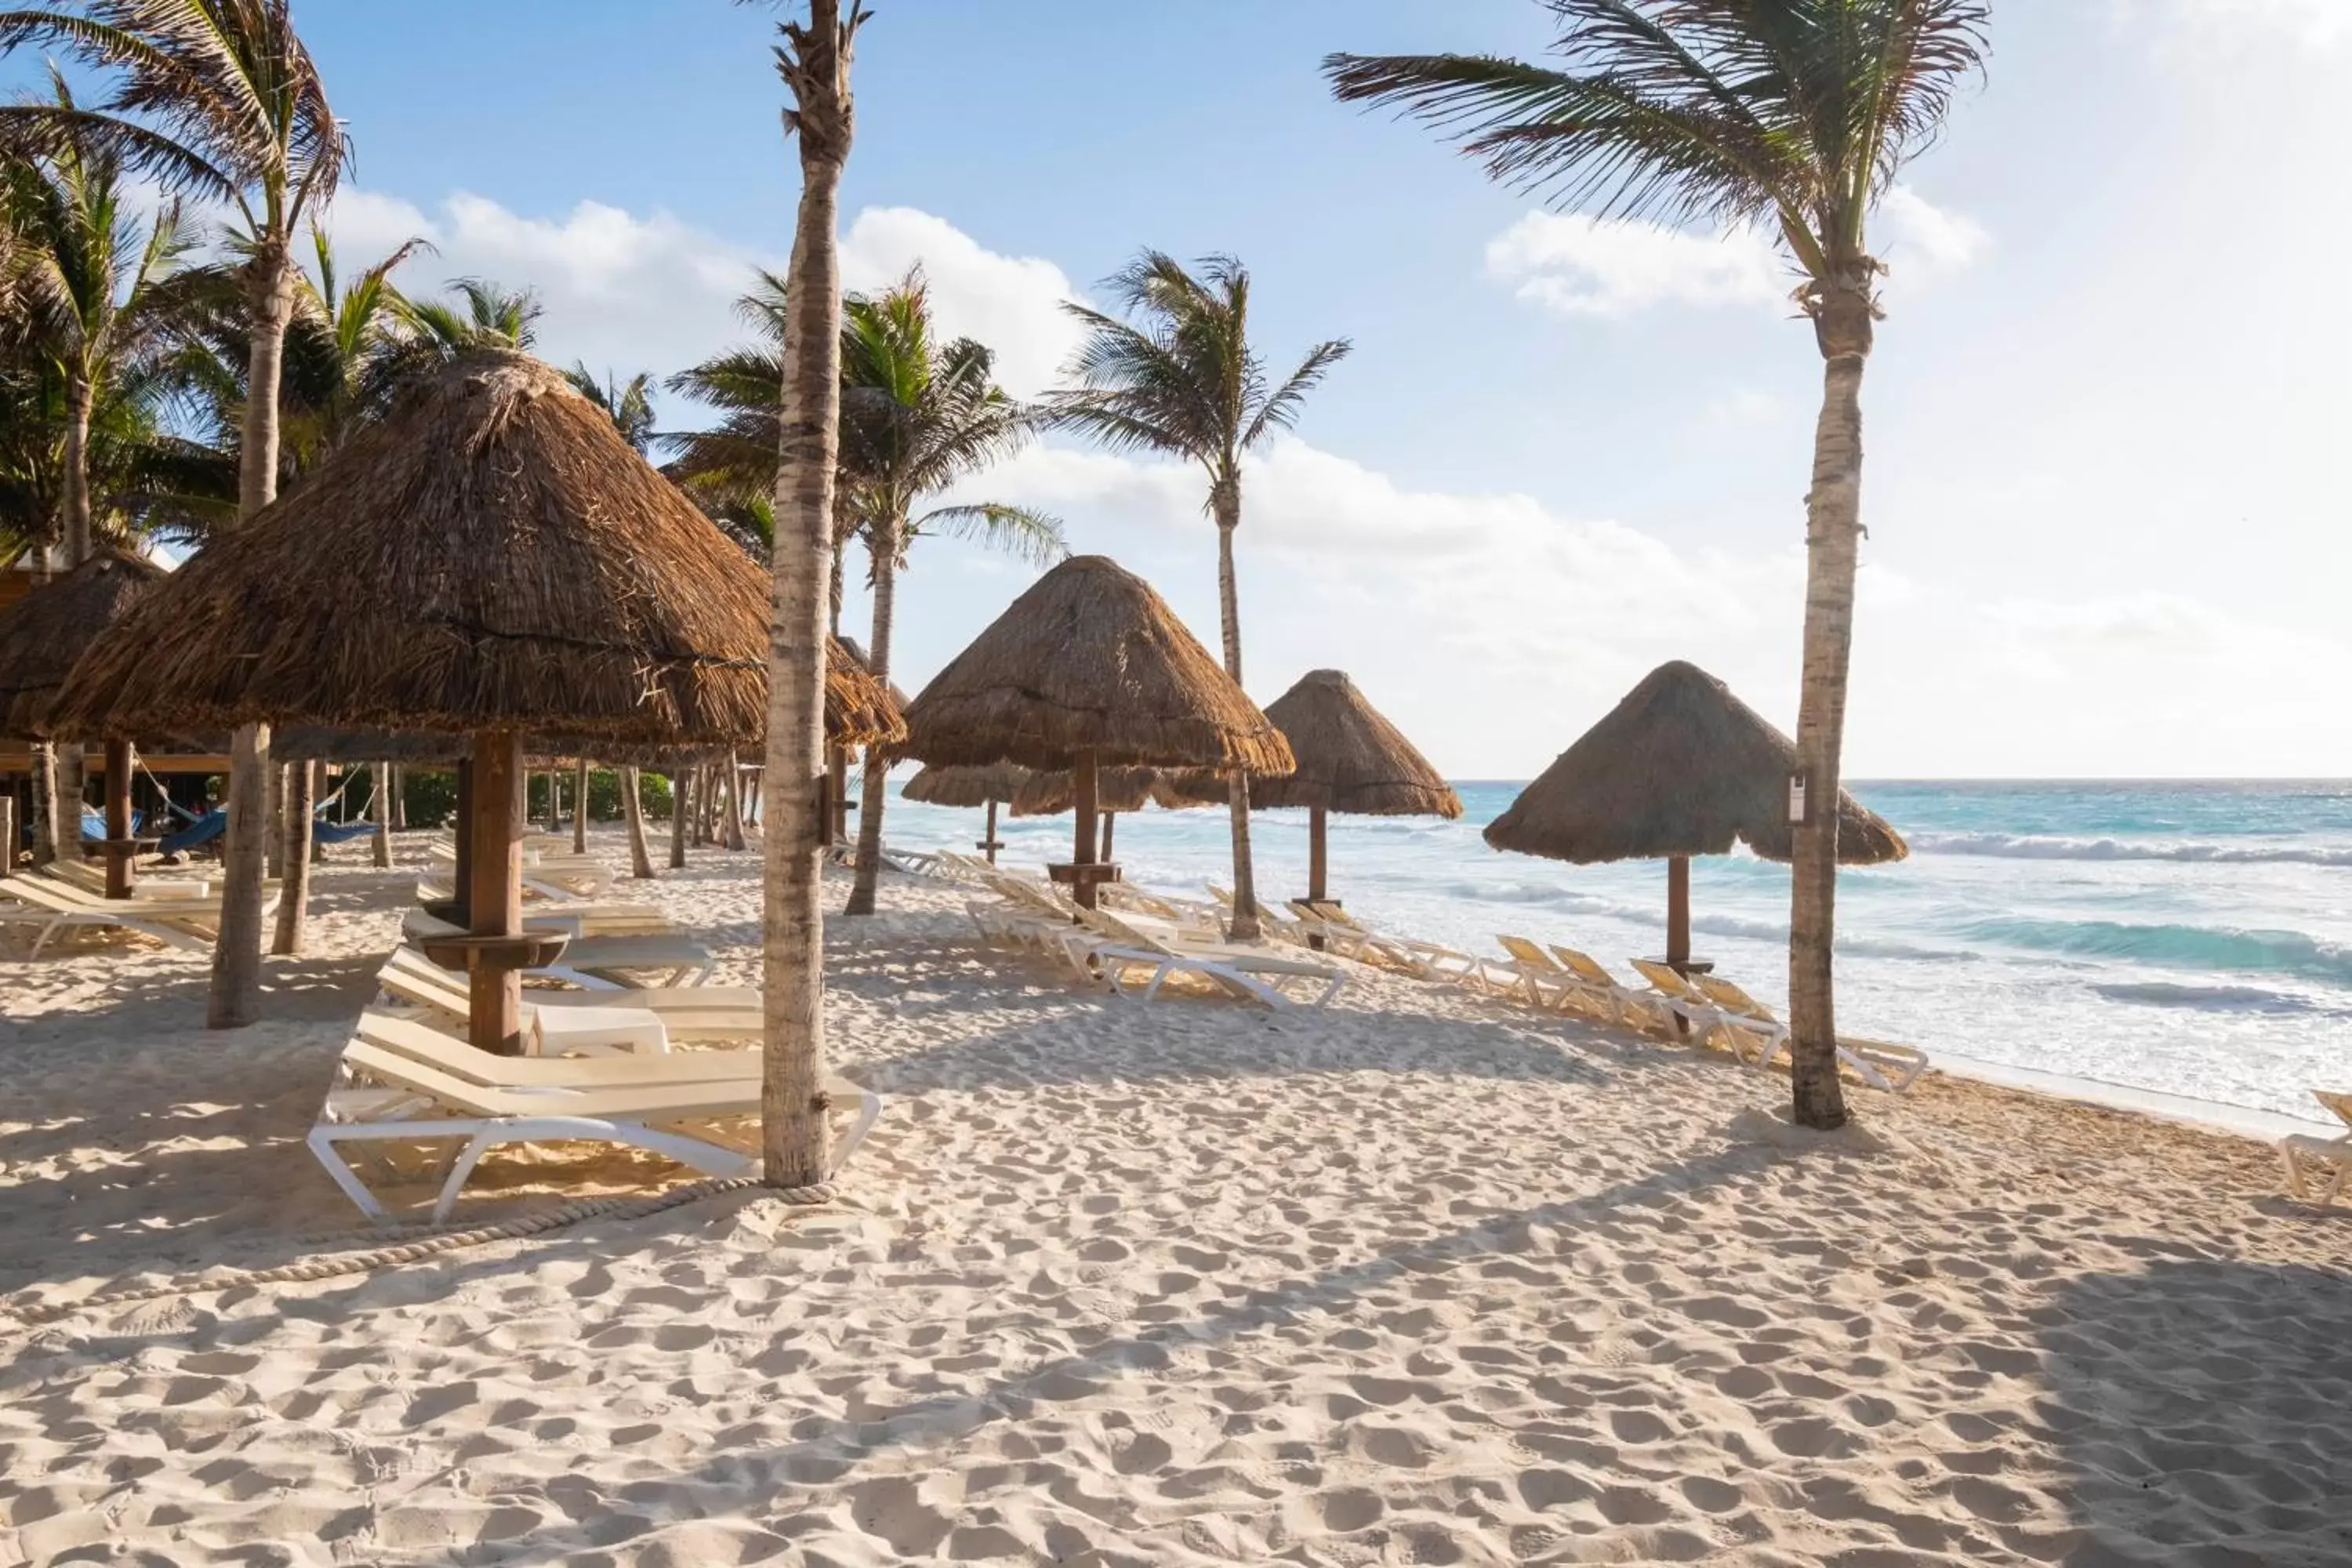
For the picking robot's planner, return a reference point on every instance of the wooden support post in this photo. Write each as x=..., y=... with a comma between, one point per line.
x=495, y=889
x=122, y=856
x=677, y=807
x=462, y=880
x=8, y=830
x=989, y=845
x=1318, y=859
x=1678, y=913
x=1083, y=782
x=1109, y=826
x=580, y=806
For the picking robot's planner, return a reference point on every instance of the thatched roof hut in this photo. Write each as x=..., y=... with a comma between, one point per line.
x=1090, y=660
x=1680, y=767
x=967, y=786
x=1116, y=789
x=1350, y=758
x=1090, y=669
x=44, y=633
x=492, y=556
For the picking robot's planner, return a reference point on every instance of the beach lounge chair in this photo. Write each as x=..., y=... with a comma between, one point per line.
x=404, y=1083
x=1634, y=1009
x=2318, y=1169
x=1349, y=938
x=1674, y=997
x=574, y=917
x=89, y=876
x=1544, y=980
x=564, y=1018
x=597, y=962
x=1882, y=1064
x=189, y=924
x=1251, y=973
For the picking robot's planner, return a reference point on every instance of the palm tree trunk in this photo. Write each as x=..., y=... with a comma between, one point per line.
x=633, y=809
x=1226, y=498
x=79, y=396
x=734, y=804
x=792, y=1133
x=273, y=865
x=68, y=777
x=379, y=812
x=680, y=803
x=294, y=893
x=46, y=841
x=1832, y=534
x=237, y=958
x=837, y=794
x=580, y=806
x=399, y=799
x=884, y=545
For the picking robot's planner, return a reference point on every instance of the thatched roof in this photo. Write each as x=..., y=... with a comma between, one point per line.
x=856, y=652
x=42, y=634
x=1680, y=767
x=1116, y=789
x=1350, y=758
x=966, y=786
x=1090, y=658
x=491, y=556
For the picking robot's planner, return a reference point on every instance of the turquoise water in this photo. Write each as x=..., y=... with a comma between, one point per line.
x=2194, y=939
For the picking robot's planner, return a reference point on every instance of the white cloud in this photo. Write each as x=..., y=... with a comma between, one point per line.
x=649, y=292
x=1919, y=239
x=2313, y=21
x=1580, y=266
x=1011, y=303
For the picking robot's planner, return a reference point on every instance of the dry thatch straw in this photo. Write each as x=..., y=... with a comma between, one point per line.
x=1680, y=767
x=491, y=556
x=43, y=634
x=1352, y=760
x=1090, y=660
x=855, y=651
x=967, y=786
x=1116, y=789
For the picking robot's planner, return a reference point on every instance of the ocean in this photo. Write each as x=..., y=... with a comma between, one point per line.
x=2193, y=939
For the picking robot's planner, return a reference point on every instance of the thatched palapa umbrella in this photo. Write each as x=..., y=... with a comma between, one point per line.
x=1681, y=767
x=971, y=786
x=1352, y=760
x=41, y=636
x=491, y=560
x=1090, y=669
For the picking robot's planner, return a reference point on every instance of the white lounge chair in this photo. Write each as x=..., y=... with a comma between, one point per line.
x=597, y=962
x=569, y=1020
x=406, y=1083
x=2318, y=1168
x=1349, y=938
x=574, y=917
x=1632, y=1008
x=1882, y=1064
x=1248, y=973
x=188, y=924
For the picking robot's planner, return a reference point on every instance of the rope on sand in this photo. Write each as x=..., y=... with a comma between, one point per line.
x=422, y=1247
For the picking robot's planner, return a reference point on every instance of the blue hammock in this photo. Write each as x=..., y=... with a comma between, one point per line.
x=341, y=831
x=93, y=823
x=202, y=830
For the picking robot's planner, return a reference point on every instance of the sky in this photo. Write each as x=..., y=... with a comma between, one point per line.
x=2104, y=488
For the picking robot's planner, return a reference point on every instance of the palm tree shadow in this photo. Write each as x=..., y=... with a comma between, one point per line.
x=2204, y=1409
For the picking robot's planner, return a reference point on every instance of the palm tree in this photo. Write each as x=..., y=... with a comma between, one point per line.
x=628, y=404
x=92, y=284
x=918, y=417
x=814, y=61
x=732, y=468
x=217, y=99
x=1179, y=376
x=1791, y=113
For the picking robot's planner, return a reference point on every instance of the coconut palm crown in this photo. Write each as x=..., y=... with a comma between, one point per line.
x=1792, y=114
x=1176, y=374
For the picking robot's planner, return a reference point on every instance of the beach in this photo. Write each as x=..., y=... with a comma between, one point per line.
x=1424, y=1277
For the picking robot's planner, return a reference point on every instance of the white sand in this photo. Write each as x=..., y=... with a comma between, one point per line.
x=1427, y=1279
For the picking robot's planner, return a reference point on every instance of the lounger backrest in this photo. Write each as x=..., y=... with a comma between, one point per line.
x=1339, y=917
x=2337, y=1102
x=1727, y=994
x=1528, y=953
x=1583, y=967
x=413, y=977
x=1666, y=979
